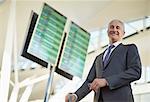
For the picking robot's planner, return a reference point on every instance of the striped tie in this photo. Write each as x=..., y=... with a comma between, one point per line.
x=108, y=54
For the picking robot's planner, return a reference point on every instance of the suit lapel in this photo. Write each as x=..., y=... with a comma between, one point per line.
x=99, y=70
x=112, y=54
x=99, y=65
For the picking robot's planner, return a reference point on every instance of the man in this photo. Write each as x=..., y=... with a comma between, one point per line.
x=112, y=71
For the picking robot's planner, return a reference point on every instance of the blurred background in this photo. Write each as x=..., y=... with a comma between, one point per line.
x=22, y=80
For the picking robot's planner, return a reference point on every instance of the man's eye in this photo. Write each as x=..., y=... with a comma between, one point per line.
x=117, y=27
x=111, y=27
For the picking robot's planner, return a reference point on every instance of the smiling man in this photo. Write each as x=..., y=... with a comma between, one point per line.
x=112, y=71
x=115, y=31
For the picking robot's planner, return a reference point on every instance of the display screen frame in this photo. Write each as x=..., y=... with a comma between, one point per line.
x=32, y=23
x=61, y=59
x=24, y=53
x=45, y=40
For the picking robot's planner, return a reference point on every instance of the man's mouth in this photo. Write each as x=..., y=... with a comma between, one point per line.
x=114, y=33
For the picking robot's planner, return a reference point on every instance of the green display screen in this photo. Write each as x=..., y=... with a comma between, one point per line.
x=47, y=36
x=75, y=51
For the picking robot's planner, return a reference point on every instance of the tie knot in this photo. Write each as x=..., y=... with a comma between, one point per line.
x=111, y=46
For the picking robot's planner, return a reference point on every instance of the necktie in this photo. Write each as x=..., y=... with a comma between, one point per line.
x=108, y=54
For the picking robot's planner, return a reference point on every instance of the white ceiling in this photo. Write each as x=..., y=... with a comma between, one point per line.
x=80, y=11
x=91, y=14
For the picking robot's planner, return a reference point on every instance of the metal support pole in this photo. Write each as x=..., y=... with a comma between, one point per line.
x=49, y=84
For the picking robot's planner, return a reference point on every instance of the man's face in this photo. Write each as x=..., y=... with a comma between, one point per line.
x=115, y=31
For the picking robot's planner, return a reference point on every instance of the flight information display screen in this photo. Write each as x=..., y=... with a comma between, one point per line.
x=75, y=51
x=48, y=43
x=47, y=35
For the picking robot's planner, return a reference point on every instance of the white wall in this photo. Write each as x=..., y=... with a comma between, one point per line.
x=148, y=3
x=4, y=12
x=142, y=41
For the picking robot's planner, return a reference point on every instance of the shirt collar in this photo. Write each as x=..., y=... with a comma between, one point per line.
x=115, y=44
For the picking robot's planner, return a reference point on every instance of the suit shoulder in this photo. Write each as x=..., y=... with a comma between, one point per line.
x=99, y=55
x=130, y=45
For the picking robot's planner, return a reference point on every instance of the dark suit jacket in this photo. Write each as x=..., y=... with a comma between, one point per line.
x=123, y=67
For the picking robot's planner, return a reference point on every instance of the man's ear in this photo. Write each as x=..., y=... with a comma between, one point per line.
x=124, y=32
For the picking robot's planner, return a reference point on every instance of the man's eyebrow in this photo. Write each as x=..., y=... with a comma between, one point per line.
x=111, y=25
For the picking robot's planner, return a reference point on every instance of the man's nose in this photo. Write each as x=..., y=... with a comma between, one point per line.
x=115, y=29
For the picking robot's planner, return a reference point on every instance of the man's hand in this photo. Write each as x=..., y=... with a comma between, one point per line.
x=70, y=98
x=98, y=83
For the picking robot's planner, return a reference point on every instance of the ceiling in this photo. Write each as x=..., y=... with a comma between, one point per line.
x=91, y=14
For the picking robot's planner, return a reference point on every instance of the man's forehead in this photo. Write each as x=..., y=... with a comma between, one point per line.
x=115, y=22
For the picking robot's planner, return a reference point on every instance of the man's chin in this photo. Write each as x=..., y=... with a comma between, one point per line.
x=113, y=40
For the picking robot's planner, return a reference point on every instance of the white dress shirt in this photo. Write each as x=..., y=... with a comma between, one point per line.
x=115, y=44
